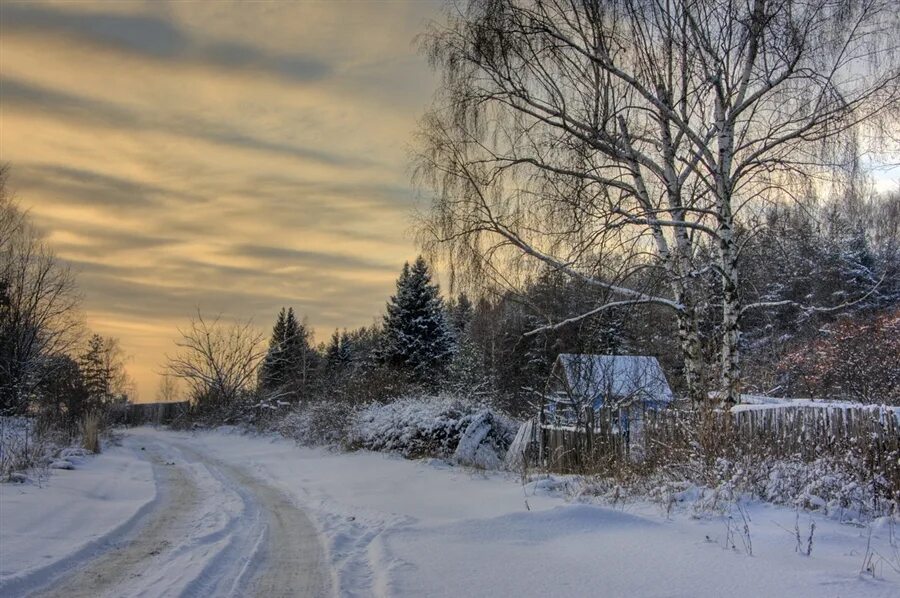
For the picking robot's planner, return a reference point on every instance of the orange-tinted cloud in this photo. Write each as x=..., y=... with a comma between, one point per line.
x=235, y=157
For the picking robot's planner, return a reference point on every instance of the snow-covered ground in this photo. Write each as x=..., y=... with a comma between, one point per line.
x=392, y=527
x=72, y=514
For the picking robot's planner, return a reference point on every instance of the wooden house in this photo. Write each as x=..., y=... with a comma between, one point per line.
x=581, y=382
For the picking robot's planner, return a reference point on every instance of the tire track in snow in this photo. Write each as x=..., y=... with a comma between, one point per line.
x=268, y=547
x=126, y=560
x=288, y=559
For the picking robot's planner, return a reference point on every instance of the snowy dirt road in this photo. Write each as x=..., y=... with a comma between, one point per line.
x=220, y=513
x=213, y=530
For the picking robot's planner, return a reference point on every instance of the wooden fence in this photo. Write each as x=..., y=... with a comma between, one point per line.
x=868, y=435
x=140, y=414
x=806, y=432
x=601, y=436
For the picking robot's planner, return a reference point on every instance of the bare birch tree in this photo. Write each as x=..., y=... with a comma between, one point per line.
x=619, y=141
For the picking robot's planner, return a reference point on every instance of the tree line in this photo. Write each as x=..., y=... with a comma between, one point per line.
x=677, y=178
x=486, y=348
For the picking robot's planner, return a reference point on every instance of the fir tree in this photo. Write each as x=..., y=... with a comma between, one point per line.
x=416, y=336
x=289, y=360
x=345, y=353
x=461, y=313
x=103, y=371
x=333, y=349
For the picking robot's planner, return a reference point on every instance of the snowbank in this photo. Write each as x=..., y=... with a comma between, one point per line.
x=467, y=433
x=70, y=510
x=397, y=527
x=21, y=449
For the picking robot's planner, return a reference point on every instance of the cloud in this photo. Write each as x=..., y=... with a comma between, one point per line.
x=137, y=293
x=315, y=259
x=79, y=186
x=56, y=104
x=153, y=37
x=236, y=158
x=27, y=96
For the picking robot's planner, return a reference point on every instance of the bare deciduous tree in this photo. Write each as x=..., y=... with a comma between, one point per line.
x=619, y=141
x=39, y=316
x=218, y=362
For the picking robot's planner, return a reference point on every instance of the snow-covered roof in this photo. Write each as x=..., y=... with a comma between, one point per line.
x=638, y=377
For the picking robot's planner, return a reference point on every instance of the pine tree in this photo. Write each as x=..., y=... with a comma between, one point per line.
x=103, y=371
x=94, y=370
x=290, y=360
x=461, y=313
x=298, y=351
x=345, y=353
x=416, y=338
x=333, y=349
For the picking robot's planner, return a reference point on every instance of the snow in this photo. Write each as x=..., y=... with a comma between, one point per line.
x=396, y=527
x=621, y=376
x=761, y=403
x=435, y=426
x=417, y=528
x=72, y=510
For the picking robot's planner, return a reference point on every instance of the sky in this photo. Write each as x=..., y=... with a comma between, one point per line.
x=231, y=157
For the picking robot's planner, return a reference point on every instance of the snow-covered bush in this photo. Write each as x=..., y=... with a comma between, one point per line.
x=22, y=448
x=829, y=486
x=319, y=423
x=446, y=427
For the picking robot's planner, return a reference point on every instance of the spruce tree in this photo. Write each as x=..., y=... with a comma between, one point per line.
x=338, y=353
x=466, y=373
x=345, y=353
x=461, y=313
x=95, y=371
x=416, y=337
x=102, y=369
x=290, y=360
x=272, y=375
x=333, y=349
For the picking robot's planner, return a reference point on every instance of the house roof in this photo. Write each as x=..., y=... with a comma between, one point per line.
x=638, y=377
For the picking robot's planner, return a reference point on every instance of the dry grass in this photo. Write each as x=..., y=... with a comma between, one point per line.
x=850, y=458
x=90, y=432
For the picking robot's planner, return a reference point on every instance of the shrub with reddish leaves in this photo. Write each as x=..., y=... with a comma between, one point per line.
x=856, y=358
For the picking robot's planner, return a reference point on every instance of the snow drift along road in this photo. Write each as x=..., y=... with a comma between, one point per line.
x=212, y=530
x=230, y=520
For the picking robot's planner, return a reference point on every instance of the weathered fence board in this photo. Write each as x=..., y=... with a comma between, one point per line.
x=871, y=435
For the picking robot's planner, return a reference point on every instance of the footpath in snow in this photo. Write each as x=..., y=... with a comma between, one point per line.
x=392, y=527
